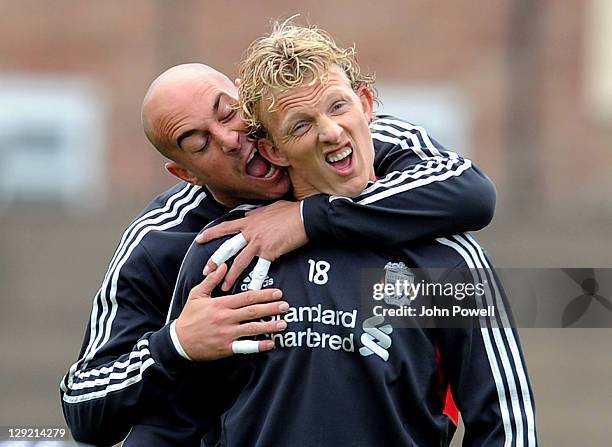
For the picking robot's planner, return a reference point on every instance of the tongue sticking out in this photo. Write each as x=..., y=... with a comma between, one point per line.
x=258, y=166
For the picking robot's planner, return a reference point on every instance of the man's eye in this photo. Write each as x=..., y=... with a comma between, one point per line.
x=338, y=106
x=300, y=128
x=229, y=115
x=203, y=147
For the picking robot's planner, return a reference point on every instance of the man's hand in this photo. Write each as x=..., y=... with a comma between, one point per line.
x=207, y=327
x=270, y=232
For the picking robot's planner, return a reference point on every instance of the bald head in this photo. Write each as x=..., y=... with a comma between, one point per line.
x=172, y=97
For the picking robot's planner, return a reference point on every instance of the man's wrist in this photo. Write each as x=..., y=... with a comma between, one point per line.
x=302, y=211
x=164, y=351
x=177, y=343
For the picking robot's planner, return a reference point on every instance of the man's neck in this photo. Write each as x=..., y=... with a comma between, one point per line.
x=226, y=201
x=230, y=202
x=302, y=190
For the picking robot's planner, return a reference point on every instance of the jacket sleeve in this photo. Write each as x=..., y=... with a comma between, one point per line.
x=190, y=408
x=484, y=363
x=422, y=192
x=127, y=357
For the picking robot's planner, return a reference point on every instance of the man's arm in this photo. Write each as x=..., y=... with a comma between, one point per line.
x=484, y=364
x=127, y=355
x=423, y=192
x=128, y=358
x=410, y=203
x=194, y=404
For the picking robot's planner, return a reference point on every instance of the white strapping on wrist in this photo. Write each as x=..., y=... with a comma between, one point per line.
x=176, y=342
x=302, y=211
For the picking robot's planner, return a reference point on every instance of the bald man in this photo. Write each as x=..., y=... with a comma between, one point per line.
x=130, y=353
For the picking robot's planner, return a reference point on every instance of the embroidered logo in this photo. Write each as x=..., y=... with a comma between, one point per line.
x=375, y=337
x=401, y=281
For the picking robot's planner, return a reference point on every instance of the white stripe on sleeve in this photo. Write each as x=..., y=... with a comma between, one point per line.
x=171, y=214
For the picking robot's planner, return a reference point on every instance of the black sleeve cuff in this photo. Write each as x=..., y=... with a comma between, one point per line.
x=164, y=353
x=315, y=212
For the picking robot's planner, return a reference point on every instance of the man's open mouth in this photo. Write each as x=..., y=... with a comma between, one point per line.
x=341, y=160
x=259, y=167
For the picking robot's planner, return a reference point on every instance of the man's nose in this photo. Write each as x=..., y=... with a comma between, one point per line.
x=329, y=130
x=229, y=140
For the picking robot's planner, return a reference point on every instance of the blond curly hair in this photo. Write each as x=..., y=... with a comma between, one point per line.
x=291, y=56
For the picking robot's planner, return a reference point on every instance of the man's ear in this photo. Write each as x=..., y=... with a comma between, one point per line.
x=237, y=82
x=366, y=97
x=271, y=153
x=179, y=171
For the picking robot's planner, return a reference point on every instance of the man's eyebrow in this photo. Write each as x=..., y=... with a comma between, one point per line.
x=332, y=94
x=216, y=103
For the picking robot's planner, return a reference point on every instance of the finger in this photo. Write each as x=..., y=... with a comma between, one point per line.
x=205, y=288
x=260, y=328
x=251, y=297
x=266, y=345
x=223, y=229
x=241, y=262
x=257, y=311
x=245, y=346
x=251, y=346
x=209, y=267
x=228, y=249
x=259, y=273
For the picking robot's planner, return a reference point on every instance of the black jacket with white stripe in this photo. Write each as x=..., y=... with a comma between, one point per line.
x=127, y=357
x=344, y=373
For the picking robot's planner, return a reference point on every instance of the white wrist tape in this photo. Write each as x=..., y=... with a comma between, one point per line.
x=176, y=342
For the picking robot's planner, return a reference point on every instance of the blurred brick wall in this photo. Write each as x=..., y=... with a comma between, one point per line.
x=110, y=42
